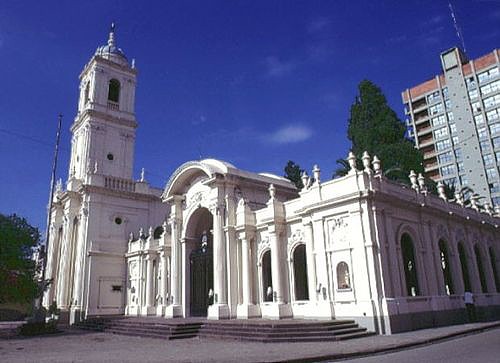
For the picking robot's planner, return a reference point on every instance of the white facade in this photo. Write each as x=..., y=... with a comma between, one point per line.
x=224, y=243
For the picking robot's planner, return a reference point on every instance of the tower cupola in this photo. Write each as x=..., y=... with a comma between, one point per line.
x=111, y=51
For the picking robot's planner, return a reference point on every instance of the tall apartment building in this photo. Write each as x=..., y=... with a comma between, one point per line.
x=454, y=120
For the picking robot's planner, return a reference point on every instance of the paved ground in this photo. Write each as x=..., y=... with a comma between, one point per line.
x=81, y=346
x=482, y=347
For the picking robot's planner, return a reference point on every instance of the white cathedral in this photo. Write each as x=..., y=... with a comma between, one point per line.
x=222, y=243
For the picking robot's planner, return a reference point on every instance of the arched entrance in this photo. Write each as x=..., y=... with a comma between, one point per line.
x=199, y=244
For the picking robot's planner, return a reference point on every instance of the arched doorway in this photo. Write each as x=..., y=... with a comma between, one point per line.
x=199, y=244
x=300, y=273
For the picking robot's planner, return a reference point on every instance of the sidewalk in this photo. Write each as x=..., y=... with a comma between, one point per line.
x=80, y=346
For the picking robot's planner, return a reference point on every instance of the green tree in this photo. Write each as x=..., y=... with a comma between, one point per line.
x=375, y=127
x=17, y=268
x=293, y=173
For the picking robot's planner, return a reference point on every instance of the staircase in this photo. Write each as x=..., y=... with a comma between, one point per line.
x=144, y=327
x=269, y=331
x=259, y=330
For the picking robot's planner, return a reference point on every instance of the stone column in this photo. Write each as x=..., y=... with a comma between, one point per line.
x=164, y=282
x=174, y=308
x=247, y=309
x=277, y=272
x=311, y=260
x=220, y=309
x=62, y=293
x=149, y=285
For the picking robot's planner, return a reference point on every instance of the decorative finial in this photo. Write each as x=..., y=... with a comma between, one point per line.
x=133, y=63
x=421, y=183
x=473, y=202
x=150, y=231
x=441, y=191
x=143, y=177
x=459, y=199
x=351, y=159
x=305, y=180
x=488, y=209
x=96, y=165
x=366, y=162
x=111, y=39
x=376, y=165
x=413, y=180
x=316, y=174
x=272, y=191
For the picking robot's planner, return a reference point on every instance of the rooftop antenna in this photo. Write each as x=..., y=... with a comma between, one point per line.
x=457, y=28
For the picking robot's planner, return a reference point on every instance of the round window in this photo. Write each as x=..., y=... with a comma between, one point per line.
x=110, y=156
x=118, y=220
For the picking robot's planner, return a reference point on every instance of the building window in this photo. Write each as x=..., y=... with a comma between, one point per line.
x=458, y=154
x=490, y=87
x=485, y=146
x=433, y=97
x=300, y=273
x=439, y=120
x=437, y=108
x=447, y=170
x=488, y=159
x=495, y=129
x=494, y=187
x=445, y=267
x=453, y=128
x=86, y=93
x=445, y=157
x=491, y=173
x=487, y=75
x=473, y=93
x=479, y=262
x=470, y=82
x=481, y=133
x=455, y=140
x=343, y=277
x=443, y=144
x=493, y=261
x=497, y=155
x=445, y=92
x=114, y=91
x=476, y=107
x=464, y=180
x=463, y=264
x=439, y=133
x=447, y=104
x=496, y=142
x=492, y=101
x=410, y=266
x=451, y=182
x=267, y=278
x=479, y=119
x=460, y=166
x=450, y=116
x=495, y=201
x=493, y=115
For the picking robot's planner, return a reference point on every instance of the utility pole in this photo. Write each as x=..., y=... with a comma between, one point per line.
x=49, y=212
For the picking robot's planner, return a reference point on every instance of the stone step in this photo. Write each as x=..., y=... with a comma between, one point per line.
x=245, y=334
x=279, y=325
x=304, y=329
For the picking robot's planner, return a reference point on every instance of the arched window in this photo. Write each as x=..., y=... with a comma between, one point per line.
x=114, y=91
x=445, y=267
x=343, y=278
x=267, y=279
x=463, y=263
x=300, y=273
x=86, y=93
x=479, y=261
x=494, y=269
x=410, y=266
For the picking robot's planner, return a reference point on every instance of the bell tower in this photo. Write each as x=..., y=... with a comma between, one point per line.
x=103, y=133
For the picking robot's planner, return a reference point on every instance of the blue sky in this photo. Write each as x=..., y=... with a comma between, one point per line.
x=255, y=83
